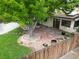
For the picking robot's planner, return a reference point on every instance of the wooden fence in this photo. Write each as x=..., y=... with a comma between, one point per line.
x=55, y=51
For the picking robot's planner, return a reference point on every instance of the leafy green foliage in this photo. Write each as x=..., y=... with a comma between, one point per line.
x=78, y=29
x=11, y=10
x=29, y=11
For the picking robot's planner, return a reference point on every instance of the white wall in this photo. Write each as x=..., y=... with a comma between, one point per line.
x=49, y=23
x=68, y=29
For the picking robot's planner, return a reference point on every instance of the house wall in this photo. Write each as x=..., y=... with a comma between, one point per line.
x=70, y=29
x=49, y=22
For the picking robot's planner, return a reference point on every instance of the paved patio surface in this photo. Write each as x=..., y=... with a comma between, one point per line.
x=41, y=38
x=73, y=54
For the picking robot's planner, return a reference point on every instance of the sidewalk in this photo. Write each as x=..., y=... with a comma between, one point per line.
x=73, y=54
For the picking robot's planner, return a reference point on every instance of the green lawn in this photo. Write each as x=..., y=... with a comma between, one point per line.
x=9, y=48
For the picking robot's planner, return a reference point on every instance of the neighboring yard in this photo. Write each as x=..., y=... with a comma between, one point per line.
x=9, y=48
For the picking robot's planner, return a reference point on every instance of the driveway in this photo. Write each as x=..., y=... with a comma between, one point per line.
x=73, y=54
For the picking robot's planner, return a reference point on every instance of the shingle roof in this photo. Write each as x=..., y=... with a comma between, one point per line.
x=73, y=17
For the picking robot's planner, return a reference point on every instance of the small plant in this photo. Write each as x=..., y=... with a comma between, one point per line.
x=69, y=34
x=78, y=29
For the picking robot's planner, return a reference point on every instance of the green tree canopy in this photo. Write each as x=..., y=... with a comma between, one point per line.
x=28, y=11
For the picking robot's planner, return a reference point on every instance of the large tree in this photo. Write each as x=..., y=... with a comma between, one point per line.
x=32, y=11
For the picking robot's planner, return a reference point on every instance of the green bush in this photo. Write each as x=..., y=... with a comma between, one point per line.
x=69, y=34
x=78, y=29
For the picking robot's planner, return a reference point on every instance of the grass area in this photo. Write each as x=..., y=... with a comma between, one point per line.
x=9, y=48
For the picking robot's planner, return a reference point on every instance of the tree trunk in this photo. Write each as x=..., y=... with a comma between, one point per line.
x=32, y=28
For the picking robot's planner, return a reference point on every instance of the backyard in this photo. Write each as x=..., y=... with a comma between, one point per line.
x=38, y=29
x=9, y=48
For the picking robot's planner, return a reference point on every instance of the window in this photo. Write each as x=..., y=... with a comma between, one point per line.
x=66, y=23
x=76, y=23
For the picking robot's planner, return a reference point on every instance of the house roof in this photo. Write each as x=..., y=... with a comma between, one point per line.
x=71, y=17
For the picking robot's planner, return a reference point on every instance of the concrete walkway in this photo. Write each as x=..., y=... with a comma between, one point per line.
x=4, y=28
x=73, y=54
